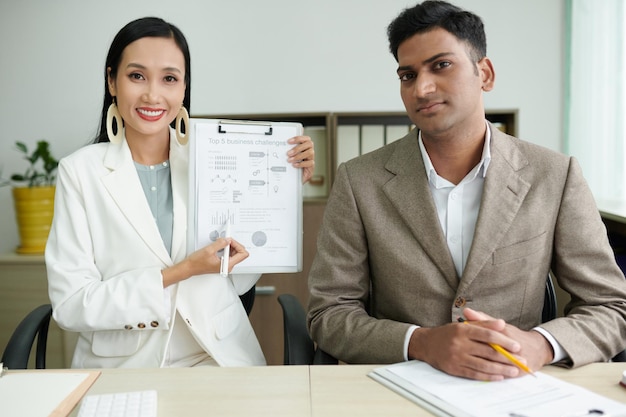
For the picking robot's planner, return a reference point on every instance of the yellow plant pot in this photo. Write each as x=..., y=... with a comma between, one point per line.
x=34, y=207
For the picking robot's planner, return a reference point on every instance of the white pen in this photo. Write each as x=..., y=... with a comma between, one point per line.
x=226, y=254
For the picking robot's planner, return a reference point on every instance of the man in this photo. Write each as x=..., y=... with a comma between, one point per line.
x=459, y=221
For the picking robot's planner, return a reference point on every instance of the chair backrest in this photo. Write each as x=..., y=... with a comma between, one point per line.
x=17, y=351
x=549, y=302
x=299, y=348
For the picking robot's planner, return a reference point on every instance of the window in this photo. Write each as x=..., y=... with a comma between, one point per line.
x=595, y=128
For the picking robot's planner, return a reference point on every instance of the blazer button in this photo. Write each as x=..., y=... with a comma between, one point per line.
x=459, y=302
x=128, y=327
x=154, y=323
x=141, y=325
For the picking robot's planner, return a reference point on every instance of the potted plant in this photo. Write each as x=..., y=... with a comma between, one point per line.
x=33, y=195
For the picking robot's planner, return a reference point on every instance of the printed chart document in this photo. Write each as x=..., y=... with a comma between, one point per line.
x=526, y=396
x=240, y=180
x=43, y=393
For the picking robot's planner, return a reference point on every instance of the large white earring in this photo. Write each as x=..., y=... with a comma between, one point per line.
x=114, y=113
x=182, y=116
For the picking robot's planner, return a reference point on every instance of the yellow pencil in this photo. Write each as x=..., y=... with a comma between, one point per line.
x=510, y=357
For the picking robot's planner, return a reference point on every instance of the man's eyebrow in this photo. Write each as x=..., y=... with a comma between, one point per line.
x=427, y=61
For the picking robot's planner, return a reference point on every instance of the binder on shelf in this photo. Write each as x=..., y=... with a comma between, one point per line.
x=239, y=175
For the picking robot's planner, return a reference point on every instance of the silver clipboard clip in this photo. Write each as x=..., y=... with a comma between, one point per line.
x=244, y=126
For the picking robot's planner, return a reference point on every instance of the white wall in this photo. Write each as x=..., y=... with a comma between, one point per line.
x=253, y=56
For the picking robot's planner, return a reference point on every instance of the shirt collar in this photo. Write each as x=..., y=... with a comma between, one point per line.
x=482, y=166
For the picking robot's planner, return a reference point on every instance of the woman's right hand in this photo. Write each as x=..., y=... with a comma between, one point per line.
x=204, y=261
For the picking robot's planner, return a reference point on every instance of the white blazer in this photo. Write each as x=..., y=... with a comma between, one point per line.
x=104, y=258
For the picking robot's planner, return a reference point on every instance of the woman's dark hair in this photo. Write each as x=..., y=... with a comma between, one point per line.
x=135, y=30
x=431, y=14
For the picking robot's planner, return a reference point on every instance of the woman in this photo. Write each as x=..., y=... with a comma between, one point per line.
x=118, y=272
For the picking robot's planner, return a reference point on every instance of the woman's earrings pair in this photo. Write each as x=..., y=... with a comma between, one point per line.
x=113, y=115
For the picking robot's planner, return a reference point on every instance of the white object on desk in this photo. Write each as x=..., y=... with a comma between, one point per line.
x=446, y=395
x=122, y=404
x=43, y=392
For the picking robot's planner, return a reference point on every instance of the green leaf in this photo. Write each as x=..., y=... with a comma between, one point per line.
x=21, y=147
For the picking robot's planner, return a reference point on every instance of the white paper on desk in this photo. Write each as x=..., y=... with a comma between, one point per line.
x=239, y=174
x=39, y=393
x=527, y=396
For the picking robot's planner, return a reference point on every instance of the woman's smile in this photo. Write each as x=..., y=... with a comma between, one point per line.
x=150, y=115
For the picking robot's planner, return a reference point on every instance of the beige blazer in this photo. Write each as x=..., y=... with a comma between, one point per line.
x=381, y=249
x=104, y=259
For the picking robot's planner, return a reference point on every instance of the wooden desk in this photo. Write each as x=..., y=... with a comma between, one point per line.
x=213, y=391
x=346, y=390
x=295, y=391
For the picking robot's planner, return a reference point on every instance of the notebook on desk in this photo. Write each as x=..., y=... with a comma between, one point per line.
x=526, y=396
x=43, y=392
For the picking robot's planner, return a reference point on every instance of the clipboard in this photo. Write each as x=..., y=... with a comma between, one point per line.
x=239, y=178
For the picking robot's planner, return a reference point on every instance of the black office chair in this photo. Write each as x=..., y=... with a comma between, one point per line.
x=299, y=348
x=17, y=351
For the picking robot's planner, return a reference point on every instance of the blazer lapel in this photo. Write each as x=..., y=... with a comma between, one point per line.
x=409, y=193
x=179, y=163
x=124, y=186
x=503, y=193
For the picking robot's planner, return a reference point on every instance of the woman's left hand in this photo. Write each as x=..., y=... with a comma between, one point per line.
x=302, y=156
